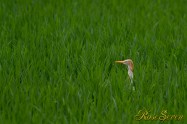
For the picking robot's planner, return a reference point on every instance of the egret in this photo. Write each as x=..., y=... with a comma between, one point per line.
x=130, y=65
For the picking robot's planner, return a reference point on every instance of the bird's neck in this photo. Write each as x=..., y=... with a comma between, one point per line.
x=129, y=68
x=130, y=72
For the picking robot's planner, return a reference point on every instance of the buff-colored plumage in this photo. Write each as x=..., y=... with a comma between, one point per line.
x=130, y=65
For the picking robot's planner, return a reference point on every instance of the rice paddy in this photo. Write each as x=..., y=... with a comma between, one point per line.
x=57, y=61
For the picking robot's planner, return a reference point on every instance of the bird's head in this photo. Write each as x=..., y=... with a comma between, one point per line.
x=127, y=62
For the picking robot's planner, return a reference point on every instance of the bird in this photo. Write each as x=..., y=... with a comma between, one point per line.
x=130, y=66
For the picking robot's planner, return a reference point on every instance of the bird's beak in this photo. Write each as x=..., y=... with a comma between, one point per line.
x=122, y=62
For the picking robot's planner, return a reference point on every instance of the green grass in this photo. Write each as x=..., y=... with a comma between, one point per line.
x=57, y=60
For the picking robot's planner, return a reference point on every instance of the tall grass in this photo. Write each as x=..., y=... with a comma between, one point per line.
x=57, y=60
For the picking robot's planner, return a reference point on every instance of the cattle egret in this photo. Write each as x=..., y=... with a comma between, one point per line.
x=130, y=65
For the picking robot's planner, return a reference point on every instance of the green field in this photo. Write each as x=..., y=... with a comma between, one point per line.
x=57, y=60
